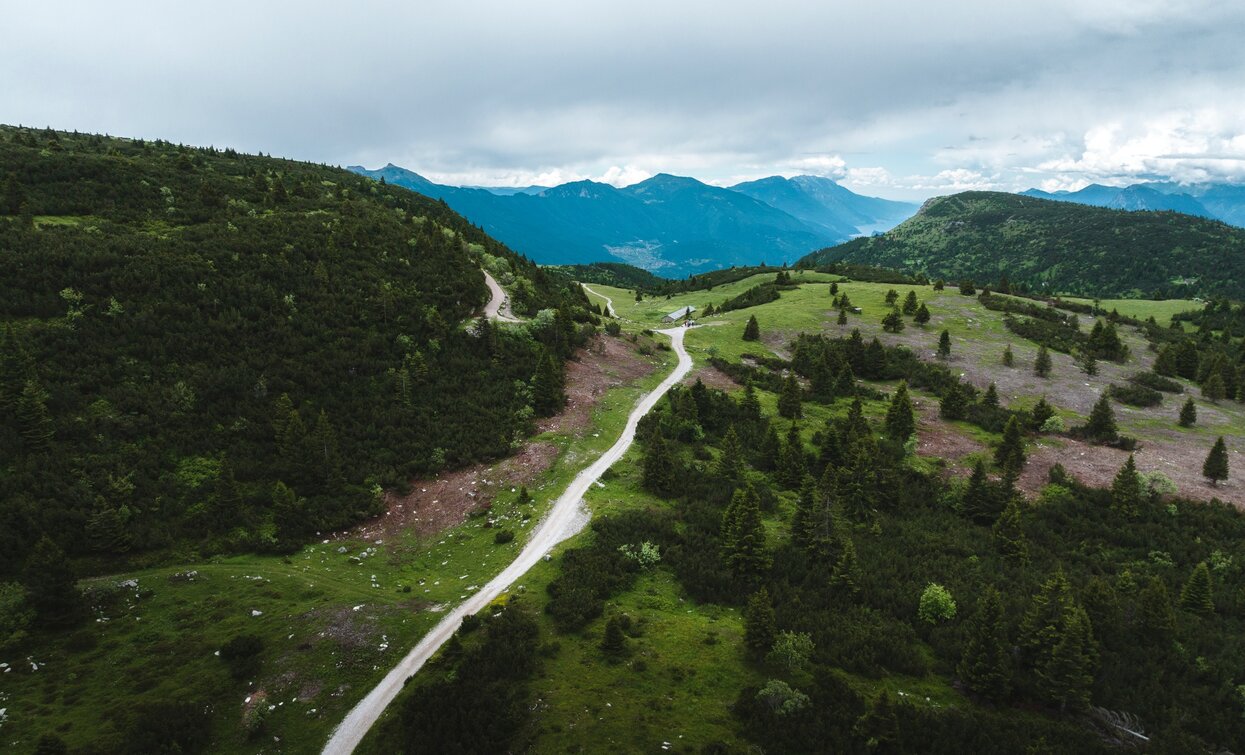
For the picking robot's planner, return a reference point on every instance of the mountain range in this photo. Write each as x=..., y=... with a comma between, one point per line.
x=1224, y=202
x=670, y=225
x=1057, y=247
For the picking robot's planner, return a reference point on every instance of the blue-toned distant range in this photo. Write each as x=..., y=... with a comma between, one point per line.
x=670, y=225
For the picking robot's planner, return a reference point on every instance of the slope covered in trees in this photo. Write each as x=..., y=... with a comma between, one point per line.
x=1057, y=247
x=233, y=352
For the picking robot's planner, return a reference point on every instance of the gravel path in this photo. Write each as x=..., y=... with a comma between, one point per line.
x=498, y=307
x=609, y=303
x=564, y=519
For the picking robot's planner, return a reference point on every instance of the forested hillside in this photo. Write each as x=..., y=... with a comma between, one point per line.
x=215, y=352
x=1057, y=247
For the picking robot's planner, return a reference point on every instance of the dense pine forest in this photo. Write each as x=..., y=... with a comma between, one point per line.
x=203, y=351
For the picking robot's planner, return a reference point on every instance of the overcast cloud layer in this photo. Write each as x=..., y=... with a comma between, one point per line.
x=893, y=98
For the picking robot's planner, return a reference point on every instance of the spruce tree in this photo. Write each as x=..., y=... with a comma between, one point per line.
x=991, y=397
x=789, y=400
x=749, y=405
x=1127, y=492
x=893, y=321
x=1009, y=534
x=730, y=461
x=1041, y=412
x=1042, y=365
x=954, y=404
x=804, y=520
x=792, y=466
x=1010, y=455
x=1066, y=674
x=944, y=345
x=52, y=587
x=900, y=422
x=846, y=576
x=327, y=459
x=1101, y=425
x=979, y=502
x=743, y=536
x=1195, y=595
x=33, y=420
x=752, y=331
x=614, y=640
x=922, y=315
x=1215, y=467
x=106, y=530
x=1009, y=359
x=1188, y=413
x=834, y=288
x=842, y=320
x=657, y=473
x=985, y=666
x=548, y=394
x=759, y=624
x=1213, y=389
x=892, y=296
x=289, y=517
x=910, y=303
x=1154, y=610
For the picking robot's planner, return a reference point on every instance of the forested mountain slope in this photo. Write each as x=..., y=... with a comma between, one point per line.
x=224, y=352
x=1058, y=247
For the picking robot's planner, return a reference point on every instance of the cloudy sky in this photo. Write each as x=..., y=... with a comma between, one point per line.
x=895, y=98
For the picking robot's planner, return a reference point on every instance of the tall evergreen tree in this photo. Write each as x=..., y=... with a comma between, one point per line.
x=730, y=461
x=922, y=315
x=1154, y=611
x=1041, y=412
x=1127, y=493
x=52, y=587
x=944, y=345
x=1066, y=674
x=106, y=530
x=759, y=623
x=326, y=458
x=980, y=501
x=792, y=466
x=1188, y=413
x=33, y=419
x=1042, y=365
x=548, y=392
x=1195, y=596
x=1101, y=425
x=954, y=404
x=289, y=517
x=804, y=520
x=1213, y=389
x=1215, y=468
x=893, y=321
x=846, y=575
x=1009, y=359
x=986, y=665
x=910, y=303
x=749, y=405
x=752, y=331
x=1010, y=455
x=991, y=397
x=900, y=421
x=743, y=536
x=658, y=474
x=1009, y=531
x=790, y=399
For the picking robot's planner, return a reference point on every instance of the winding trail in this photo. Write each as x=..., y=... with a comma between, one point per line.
x=562, y=521
x=609, y=303
x=498, y=307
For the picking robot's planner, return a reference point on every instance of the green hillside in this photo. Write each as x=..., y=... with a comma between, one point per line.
x=183, y=329
x=1058, y=247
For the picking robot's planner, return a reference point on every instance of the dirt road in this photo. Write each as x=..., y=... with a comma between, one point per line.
x=498, y=307
x=609, y=303
x=564, y=519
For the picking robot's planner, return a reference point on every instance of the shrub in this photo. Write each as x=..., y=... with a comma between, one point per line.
x=1135, y=395
x=613, y=328
x=242, y=655
x=503, y=536
x=1054, y=424
x=1156, y=382
x=936, y=604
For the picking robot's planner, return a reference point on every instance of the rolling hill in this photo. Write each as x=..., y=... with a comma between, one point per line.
x=1057, y=247
x=669, y=225
x=1224, y=202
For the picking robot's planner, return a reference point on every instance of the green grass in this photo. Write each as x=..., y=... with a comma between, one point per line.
x=157, y=641
x=1160, y=310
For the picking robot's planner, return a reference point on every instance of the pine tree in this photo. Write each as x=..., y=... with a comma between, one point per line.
x=12, y=198
x=743, y=536
x=846, y=575
x=900, y=422
x=842, y=320
x=1066, y=674
x=548, y=394
x=910, y=303
x=922, y=315
x=892, y=296
x=1041, y=412
x=1010, y=455
x=1009, y=359
x=1042, y=365
x=1195, y=595
x=759, y=623
x=289, y=517
x=658, y=474
x=1188, y=414
x=106, y=530
x=834, y=288
x=614, y=639
x=16, y=368
x=944, y=345
x=1127, y=493
x=291, y=446
x=790, y=399
x=985, y=665
x=1216, y=466
x=51, y=586
x=878, y=728
x=804, y=520
x=749, y=405
x=1101, y=424
x=752, y=331
x=327, y=460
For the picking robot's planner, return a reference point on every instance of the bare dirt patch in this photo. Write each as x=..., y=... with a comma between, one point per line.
x=712, y=377
x=938, y=438
x=445, y=501
x=606, y=362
